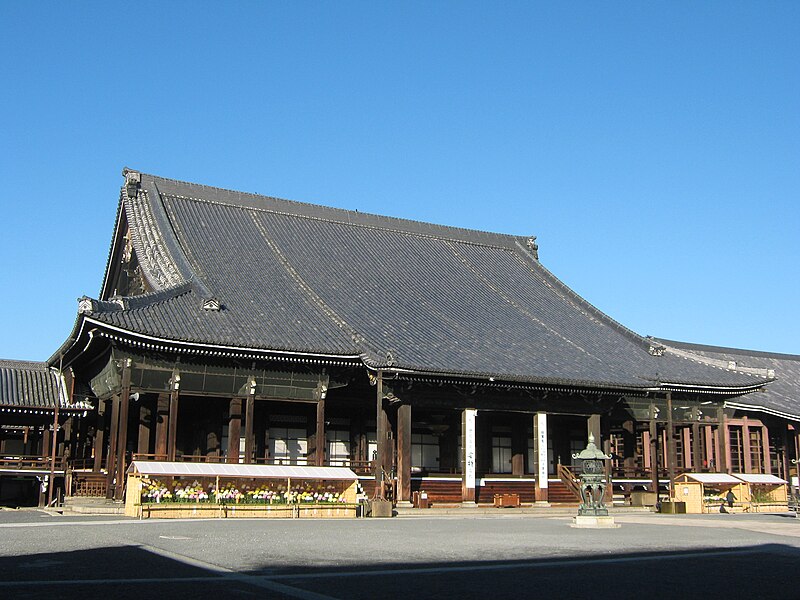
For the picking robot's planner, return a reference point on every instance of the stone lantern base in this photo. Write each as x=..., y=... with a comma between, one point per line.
x=593, y=522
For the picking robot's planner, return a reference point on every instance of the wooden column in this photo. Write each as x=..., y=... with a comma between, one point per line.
x=541, y=489
x=234, y=429
x=381, y=435
x=319, y=436
x=765, y=450
x=122, y=439
x=162, y=425
x=174, y=400
x=46, y=441
x=708, y=448
x=249, y=431
x=404, y=453
x=786, y=455
x=653, y=434
x=747, y=458
x=672, y=457
x=111, y=460
x=726, y=443
x=100, y=435
x=469, y=455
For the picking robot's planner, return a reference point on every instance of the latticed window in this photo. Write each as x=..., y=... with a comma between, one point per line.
x=737, y=452
x=756, y=450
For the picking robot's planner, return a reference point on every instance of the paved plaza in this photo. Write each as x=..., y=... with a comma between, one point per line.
x=499, y=555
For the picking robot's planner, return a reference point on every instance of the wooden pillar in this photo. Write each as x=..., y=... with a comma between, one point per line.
x=765, y=450
x=46, y=437
x=381, y=438
x=404, y=453
x=100, y=435
x=249, y=427
x=174, y=399
x=726, y=442
x=748, y=459
x=111, y=459
x=234, y=429
x=541, y=489
x=122, y=439
x=319, y=437
x=785, y=455
x=653, y=435
x=162, y=425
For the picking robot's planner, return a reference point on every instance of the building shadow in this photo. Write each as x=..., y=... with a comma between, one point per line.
x=132, y=572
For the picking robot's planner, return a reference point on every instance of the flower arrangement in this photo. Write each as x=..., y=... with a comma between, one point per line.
x=155, y=491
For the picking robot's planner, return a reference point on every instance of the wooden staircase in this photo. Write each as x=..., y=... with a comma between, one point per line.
x=569, y=491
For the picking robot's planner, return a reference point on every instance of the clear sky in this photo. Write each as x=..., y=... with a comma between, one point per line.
x=653, y=147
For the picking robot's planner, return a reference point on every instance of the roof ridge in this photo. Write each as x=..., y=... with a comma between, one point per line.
x=728, y=350
x=346, y=216
x=10, y=363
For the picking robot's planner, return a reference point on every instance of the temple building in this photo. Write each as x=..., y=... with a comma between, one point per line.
x=239, y=328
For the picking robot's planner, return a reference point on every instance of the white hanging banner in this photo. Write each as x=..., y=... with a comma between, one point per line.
x=469, y=447
x=541, y=445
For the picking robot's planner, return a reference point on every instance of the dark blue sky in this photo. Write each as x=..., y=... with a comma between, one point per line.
x=654, y=148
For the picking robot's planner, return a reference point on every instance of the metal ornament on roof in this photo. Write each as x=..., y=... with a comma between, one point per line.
x=593, y=480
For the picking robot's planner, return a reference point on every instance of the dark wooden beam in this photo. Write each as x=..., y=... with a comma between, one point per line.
x=111, y=460
x=404, y=453
x=172, y=438
x=319, y=435
x=122, y=435
x=653, y=450
x=249, y=435
x=100, y=435
x=162, y=425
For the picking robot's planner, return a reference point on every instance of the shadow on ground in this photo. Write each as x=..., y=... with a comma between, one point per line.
x=128, y=572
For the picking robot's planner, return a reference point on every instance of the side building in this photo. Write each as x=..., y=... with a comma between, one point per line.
x=248, y=329
x=43, y=434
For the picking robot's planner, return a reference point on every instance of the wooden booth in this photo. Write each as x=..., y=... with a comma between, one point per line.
x=705, y=492
x=216, y=490
x=767, y=492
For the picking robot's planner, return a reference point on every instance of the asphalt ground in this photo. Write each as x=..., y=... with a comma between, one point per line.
x=493, y=556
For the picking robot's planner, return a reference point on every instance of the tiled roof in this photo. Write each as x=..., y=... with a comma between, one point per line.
x=26, y=384
x=781, y=396
x=399, y=294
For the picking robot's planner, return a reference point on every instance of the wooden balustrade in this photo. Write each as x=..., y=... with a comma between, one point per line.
x=30, y=463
